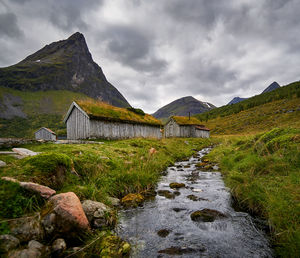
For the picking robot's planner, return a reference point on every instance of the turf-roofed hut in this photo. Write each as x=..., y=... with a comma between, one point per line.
x=181, y=126
x=98, y=120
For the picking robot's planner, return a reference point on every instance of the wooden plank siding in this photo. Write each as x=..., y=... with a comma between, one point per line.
x=116, y=130
x=172, y=129
x=43, y=134
x=78, y=125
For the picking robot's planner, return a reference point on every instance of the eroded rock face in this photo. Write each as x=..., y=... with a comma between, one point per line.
x=65, y=216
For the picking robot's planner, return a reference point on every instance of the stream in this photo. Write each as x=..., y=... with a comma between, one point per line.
x=163, y=227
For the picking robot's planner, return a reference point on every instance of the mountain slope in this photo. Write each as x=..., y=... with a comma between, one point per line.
x=272, y=86
x=278, y=108
x=182, y=107
x=62, y=65
x=236, y=100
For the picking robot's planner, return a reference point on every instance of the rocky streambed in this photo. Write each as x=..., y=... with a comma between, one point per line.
x=191, y=216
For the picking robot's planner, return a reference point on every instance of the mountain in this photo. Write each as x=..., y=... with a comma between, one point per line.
x=62, y=65
x=274, y=108
x=272, y=86
x=236, y=100
x=182, y=107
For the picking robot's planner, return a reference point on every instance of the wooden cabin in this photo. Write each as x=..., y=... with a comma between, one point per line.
x=45, y=134
x=180, y=126
x=98, y=120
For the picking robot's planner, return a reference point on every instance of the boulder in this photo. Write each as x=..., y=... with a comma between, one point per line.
x=96, y=213
x=176, y=185
x=27, y=228
x=206, y=215
x=25, y=253
x=58, y=247
x=2, y=164
x=10, y=179
x=33, y=244
x=114, y=201
x=24, y=152
x=8, y=242
x=166, y=193
x=44, y=191
x=132, y=200
x=65, y=215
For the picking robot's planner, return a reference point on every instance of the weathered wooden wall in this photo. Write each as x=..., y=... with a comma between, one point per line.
x=43, y=134
x=78, y=125
x=187, y=131
x=115, y=130
x=202, y=133
x=172, y=129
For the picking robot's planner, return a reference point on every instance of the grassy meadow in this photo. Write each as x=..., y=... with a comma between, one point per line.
x=263, y=173
x=113, y=169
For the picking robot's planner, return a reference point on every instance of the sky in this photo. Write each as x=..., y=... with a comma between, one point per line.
x=157, y=51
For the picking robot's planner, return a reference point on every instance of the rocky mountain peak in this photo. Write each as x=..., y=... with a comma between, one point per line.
x=272, y=86
x=183, y=107
x=62, y=65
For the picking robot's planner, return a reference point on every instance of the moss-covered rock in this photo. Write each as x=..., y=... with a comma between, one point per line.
x=113, y=246
x=206, y=215
x=166, y=193
x=176, y=185
x=132, y=200
x=48, y=168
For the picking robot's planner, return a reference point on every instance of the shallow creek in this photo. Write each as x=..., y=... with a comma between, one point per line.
x=163, y=227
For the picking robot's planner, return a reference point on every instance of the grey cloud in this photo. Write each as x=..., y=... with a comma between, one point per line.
x=9, y=26
x=68, y=14
x=133, y=48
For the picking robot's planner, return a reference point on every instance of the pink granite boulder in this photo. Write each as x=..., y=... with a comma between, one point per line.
x=65, y=216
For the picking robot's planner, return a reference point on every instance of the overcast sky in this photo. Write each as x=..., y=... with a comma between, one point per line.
x=156, y=51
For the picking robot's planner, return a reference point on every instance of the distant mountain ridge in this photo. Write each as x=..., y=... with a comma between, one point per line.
x=236, y=100
x=182, y=107
x=62, y=65
x=271, y=87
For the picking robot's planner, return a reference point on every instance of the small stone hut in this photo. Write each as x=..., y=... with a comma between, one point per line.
x=180, y=126
x=94, y=119
x=45, y=134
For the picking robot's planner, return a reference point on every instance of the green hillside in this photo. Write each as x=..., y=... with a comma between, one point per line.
x=40, y=108
x=279, y=108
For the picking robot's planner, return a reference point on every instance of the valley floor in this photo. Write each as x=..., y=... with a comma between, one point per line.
x=262, y=171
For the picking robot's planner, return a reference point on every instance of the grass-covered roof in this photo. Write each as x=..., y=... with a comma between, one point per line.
x=103, y=111
x=184, y=120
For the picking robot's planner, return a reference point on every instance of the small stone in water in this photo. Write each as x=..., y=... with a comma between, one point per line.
x=176, y=185
x=163, y=232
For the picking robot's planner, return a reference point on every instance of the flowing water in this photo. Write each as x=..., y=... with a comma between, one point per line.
x=163, y=227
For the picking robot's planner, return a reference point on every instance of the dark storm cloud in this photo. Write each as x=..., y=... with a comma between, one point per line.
x=133, y=48
x=66, y=15
x=9, y=26
x=157, y=51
